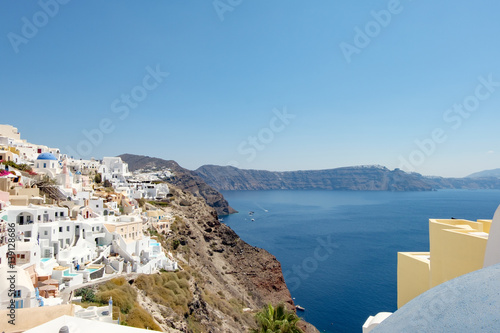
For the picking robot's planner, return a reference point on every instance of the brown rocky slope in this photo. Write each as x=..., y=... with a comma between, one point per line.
x=227, y=265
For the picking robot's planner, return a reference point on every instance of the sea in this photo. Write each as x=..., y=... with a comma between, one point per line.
x=338, y=249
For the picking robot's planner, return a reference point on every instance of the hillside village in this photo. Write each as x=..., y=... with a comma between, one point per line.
x=65, y=222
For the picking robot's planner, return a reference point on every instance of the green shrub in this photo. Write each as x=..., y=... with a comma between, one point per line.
x=88, y=295
x=169, y=289
x=123, y=294
x=140, y=318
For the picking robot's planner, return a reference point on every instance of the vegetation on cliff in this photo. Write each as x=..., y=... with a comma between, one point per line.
x=223, y=282
x=276, y=320
x=125, y=306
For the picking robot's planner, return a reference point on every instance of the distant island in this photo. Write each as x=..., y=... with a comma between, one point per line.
x=208, y=180
x=356, y=178
x=495, y=173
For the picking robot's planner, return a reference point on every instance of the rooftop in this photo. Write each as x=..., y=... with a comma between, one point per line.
x=47, y=156
x=470, y=303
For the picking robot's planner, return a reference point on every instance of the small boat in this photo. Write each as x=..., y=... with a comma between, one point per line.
x=298, y=307
x=250, y=213
x=253, y=220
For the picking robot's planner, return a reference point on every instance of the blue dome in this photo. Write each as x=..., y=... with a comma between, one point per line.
x=47, y=156
x=78, y=173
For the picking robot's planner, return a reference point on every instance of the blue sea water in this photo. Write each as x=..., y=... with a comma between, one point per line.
x=338, y=249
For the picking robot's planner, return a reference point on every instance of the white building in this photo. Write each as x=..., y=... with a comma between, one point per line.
x=114, y=170
x=48, y=164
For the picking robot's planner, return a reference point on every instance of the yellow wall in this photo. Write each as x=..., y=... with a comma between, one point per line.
x=454, y=251
x=413, y=276
x=486, y=225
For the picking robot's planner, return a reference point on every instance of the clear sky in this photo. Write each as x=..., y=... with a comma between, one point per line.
x=278, y=85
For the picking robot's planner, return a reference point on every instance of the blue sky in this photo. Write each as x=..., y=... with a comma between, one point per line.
x=229, y=78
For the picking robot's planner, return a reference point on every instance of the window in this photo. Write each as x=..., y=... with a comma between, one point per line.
x=67, y=228
x=56, y=214
x=61, y=214
x=44, y=165
x=19, y=304
x=45, y=233
x=67, y=241
x=39, y=217
x=60, y=229
x=23, y=256
x=17, y=293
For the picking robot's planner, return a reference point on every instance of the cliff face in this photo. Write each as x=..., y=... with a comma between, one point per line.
x=370, y=178
x=463, y=183
x=226, y=270
x=183, y=178
x=364, y=178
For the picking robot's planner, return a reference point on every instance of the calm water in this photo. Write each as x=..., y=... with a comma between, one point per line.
x=339, y=249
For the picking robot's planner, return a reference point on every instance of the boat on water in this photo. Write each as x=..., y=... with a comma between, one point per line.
x=251, y=213
x=253, y=220
x=300, y=308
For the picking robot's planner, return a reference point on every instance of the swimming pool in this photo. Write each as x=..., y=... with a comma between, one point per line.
x=45, y=259
x=67, y=273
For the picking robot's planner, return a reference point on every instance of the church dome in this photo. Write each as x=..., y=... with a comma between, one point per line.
x=47, y=156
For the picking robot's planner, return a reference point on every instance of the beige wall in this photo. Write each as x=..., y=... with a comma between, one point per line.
x=5, y=184
x=413, y=276
x=10, y=132
x=453, y=251
x=31, y=317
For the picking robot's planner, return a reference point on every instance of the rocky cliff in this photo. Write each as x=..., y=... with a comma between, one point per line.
x=228, y=274
x=183, y=178
x=362, y=178
x=222, y=283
